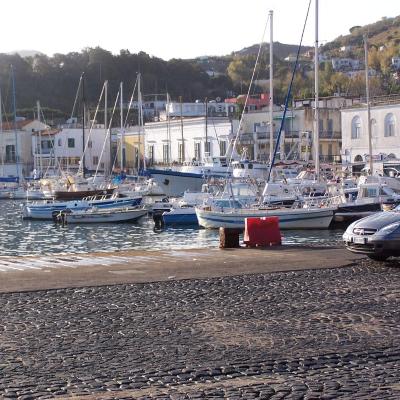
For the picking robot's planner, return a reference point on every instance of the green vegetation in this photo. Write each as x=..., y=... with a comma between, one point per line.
x=54, y=80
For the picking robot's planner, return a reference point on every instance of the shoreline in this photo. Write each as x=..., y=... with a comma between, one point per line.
x=32, y=273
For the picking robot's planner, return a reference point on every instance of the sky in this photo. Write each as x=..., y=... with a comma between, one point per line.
x=175, y=28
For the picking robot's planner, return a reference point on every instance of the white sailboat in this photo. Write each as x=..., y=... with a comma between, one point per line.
x=293, y=218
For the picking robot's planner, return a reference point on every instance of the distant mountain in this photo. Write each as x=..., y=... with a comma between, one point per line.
x=26, y=53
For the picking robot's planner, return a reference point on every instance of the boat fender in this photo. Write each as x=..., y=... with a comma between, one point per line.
x=158, y=221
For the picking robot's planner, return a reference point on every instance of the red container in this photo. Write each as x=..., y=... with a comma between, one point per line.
x=262, y=232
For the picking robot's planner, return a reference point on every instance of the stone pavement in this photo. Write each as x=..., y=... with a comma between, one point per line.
x=311, y=334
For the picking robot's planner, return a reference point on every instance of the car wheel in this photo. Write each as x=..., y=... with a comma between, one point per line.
x=378, y=257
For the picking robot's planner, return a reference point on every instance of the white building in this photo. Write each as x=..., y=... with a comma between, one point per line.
x=201, y=138
x=396, y=63
x=343, y=64
x=63, y=148
x=197, y=109
x=16, y=157
x=385, y=131
x=151, y=108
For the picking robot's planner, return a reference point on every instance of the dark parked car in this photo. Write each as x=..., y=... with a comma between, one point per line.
x=377, y=236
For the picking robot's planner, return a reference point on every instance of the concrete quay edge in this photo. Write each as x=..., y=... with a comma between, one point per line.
x=32, y=273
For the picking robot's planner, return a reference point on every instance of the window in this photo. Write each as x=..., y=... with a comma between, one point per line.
x=222, y=147
x=256, y=125
x=197, y=152
x=181, y=155
x=59, y=142
x=321, y=126
x=207, y=148
x=95, y=160
x=71, y=143
x=330, y=126
x=151, y=154
x=165, y=153
x=10, y=153
x=390, y=125
x=330, y=149
x=90, y=144
x=356, y=127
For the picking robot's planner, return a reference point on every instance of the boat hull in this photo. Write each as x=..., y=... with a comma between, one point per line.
x=106, y=216
x=313, y=218
x=80, y=194
x=180, y=217
x=44, y=211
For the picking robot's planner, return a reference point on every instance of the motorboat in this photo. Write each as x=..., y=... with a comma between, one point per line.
x=46, y=209
x=233, y=216
x=96, y=215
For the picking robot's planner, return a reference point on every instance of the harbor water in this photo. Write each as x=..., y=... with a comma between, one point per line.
x=20, y=237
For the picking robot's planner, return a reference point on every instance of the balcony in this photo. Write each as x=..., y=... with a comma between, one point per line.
x=330, y=135
x=330, y=158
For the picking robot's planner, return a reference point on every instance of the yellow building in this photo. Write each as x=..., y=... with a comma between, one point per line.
x=132, y=151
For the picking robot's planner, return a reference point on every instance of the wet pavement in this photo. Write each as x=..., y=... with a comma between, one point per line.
x=311, y=334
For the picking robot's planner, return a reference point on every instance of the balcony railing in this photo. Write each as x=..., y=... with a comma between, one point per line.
x=330, y=135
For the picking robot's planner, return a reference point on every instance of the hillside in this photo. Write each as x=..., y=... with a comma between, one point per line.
x=281, y=50
x=385, y=32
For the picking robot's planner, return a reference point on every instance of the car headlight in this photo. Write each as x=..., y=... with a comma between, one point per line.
x=350, y=227
x=390, y=228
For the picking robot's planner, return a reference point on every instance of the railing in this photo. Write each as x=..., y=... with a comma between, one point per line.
x=330, y=158
x=330, y=135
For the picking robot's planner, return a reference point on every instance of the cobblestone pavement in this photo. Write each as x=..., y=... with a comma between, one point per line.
x=317, y=334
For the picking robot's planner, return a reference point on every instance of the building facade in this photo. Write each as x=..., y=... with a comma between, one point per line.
x=63, y=148
x=192, y=139
x=385, y=133
x=16, y=158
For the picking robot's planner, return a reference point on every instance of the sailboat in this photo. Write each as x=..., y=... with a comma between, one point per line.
x=293, y=218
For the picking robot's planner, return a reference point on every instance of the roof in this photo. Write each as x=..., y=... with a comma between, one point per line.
x=47, y=132
x=9, y=126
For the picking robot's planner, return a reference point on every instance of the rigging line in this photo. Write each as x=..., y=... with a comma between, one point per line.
x=130, y=102
x=288, y=94
x=77, y=94
x=215, y=129
x=108, y=133
x=248, y=95
x=91, y=129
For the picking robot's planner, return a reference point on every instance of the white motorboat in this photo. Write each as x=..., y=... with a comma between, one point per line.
x=294, y=218
x=95, y=215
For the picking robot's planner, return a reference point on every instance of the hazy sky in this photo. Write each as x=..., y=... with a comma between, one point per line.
x=174, y=28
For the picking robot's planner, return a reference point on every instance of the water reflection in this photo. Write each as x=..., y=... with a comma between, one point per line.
x=22, y=237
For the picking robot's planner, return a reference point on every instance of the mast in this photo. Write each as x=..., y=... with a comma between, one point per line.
x=371, y=163
x=83, y=123
x=15, y=121
x=168, y=133
x=122, y=126
x=206, y=145
x=316, y=114
x=106, y=124
x=1, y=135
x=183, y=143
x=271, y=88
x=40, y=141
x=141, y=126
